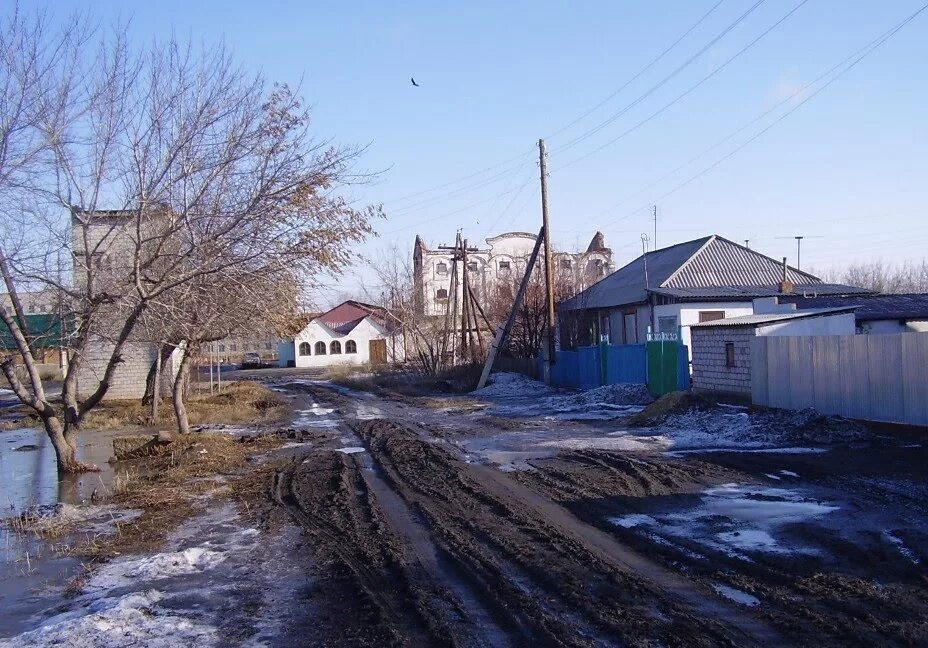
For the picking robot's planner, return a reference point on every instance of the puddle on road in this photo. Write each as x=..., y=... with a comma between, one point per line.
x=734, y=519
x=29, y=476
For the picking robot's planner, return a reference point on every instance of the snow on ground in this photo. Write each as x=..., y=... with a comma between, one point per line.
x=157, y=566
x=350, y=450
x=617, y=442
x=735, y=519
x=518, y=396
x=619, y=394
x=512, y=385
x=130, y=620
x=736, y=595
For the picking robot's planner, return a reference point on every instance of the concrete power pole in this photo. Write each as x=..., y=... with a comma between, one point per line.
x=548, y=339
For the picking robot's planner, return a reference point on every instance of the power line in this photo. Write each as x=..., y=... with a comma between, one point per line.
x=689, y=90
x=589, y=133
x=748, y=124
x=876, y=44
x=640, y=72
x=452, y=213
x=521, y=156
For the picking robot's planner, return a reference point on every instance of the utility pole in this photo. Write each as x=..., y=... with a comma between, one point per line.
x=548, y=340
x=655, y=227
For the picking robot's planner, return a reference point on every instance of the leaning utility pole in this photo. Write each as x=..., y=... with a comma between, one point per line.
x=548, y=339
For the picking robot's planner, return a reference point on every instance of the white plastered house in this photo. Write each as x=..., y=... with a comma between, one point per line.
x=352, y=333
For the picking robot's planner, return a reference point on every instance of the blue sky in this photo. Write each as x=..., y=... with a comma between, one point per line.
x=848, y=166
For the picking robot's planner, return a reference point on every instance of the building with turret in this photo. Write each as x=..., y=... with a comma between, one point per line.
x=503, y=260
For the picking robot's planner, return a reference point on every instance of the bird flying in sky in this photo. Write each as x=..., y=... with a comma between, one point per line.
x=414, y=82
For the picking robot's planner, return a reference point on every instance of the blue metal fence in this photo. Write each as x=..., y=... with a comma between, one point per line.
x=610, y=364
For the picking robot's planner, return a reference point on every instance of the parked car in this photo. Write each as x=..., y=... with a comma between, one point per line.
x=251, y=360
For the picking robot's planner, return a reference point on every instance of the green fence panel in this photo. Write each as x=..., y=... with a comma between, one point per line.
x=663, y=366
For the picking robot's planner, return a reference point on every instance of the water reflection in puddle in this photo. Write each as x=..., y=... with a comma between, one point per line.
x=733, y=518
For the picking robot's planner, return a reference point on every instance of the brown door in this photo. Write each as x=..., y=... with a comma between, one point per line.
x=378, y=351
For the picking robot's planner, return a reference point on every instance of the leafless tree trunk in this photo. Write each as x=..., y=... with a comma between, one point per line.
x=180, y=385
x=209, y=172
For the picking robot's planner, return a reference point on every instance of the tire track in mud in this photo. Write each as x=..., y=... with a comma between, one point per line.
x=382, y=578
x=564, y=581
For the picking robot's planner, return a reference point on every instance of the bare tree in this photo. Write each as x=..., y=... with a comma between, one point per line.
x=209, y=171
x=907, y=277
x=526, y=336
x=394, y=288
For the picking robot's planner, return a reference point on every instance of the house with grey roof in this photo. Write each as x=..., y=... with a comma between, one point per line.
x=668, y=290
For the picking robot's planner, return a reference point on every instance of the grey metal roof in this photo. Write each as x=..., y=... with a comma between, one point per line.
x=869, y=307
x=738, y=293
x=770, y=318
x=721, y=262
x=712, y=264
x=626, y=285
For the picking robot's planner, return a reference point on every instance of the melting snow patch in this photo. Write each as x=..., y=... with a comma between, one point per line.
x=350, y=450
x=154, y=567
x=900, y=545
x=130, y=620
x=620, y=443
x=633, y=520
x=789, y=473
x=736, y=595
x=775, y=477
x=508, y=385
x=733, y=519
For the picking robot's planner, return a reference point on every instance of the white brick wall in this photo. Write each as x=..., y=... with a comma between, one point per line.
x=129, y=377
x=708, y=359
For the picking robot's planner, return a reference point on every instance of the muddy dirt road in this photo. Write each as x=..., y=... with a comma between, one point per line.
x=458, y=526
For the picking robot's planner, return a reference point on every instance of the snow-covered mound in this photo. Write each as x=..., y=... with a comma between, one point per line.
x=512, y=385
x=620, y=394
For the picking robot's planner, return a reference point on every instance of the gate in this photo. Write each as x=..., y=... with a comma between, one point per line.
x=663, y=353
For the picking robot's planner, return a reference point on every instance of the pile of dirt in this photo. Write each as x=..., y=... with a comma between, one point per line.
x=678, y=402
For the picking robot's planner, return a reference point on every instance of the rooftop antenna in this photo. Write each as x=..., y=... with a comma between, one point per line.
x=799, y=246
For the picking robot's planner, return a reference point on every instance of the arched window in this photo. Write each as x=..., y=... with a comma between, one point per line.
x=320, y=348
x=304, y=348
x=351, y=346
x=335, y=348
x=441, y=293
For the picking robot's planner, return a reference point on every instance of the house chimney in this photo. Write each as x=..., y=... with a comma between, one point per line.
x=785, y=286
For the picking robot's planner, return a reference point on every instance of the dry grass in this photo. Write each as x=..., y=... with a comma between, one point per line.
x=239, y=402
x=165, y=488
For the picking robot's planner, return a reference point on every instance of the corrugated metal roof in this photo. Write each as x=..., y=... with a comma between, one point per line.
x=709, y=267
x=626, y=285
x=721, y=262
x=752, y=292
x=869, y=307
x=770, y=318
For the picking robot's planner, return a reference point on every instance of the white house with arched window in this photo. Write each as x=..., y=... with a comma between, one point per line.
x=351, y=333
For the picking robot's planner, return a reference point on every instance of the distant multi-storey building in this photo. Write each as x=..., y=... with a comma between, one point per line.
x=504, y=260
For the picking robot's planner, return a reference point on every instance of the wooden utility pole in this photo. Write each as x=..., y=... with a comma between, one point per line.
x=548, y=339
x=503, y=330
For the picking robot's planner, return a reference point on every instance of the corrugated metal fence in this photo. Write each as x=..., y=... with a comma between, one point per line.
x=611, y=364
x=869, y=377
